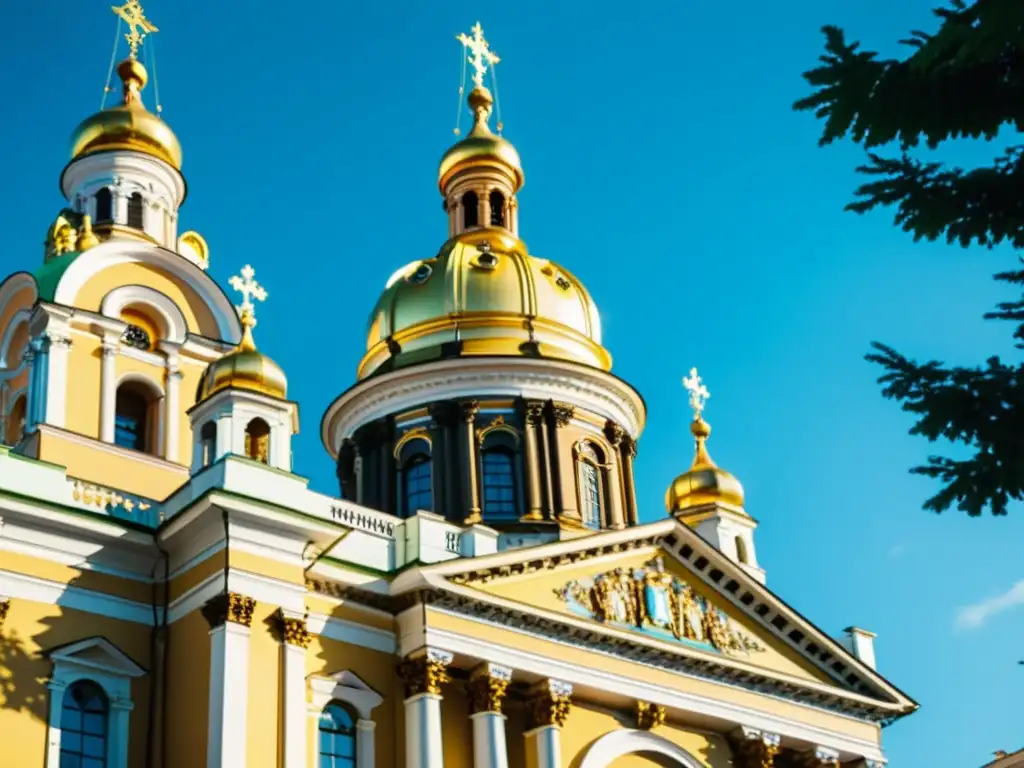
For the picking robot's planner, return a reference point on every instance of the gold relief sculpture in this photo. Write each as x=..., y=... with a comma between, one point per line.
x=548, y=704
x=652, y=600
x=649, y=715
x=229, y=606
x=295, y=632
x=487, y=688
x=426, y=673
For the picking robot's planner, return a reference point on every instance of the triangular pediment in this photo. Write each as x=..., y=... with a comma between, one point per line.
x=661, y=591
x=97, y=653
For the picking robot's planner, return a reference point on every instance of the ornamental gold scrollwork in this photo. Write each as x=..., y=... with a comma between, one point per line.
x=487, y=688
x=425, y=673
x=649, y=715
x=655, y=601
x=534, y=412
x=562, y=413
x=229, y=607
x=548, y=703
x=294, y=632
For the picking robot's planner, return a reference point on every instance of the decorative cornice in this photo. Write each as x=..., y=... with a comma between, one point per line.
x=425, y=673
x=649, y=715
x=487, y=687
x=756, y=748
x=548, y=703
x=229, y=607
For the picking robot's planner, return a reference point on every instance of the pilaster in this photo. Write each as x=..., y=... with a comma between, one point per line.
x=108, y=387
x=469, y=414
x=296, y=639
x=533, y=417
x=172, y=409
x=58, y=349
x=564, y=505
x=616, y=504
x=627, y=455
x=423, y=676
x=547, y=706
x=487, y=687
x=230, y=617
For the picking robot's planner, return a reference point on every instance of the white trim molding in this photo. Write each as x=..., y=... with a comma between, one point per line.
x=616, y=744
x=174, y=328
x=99, y=661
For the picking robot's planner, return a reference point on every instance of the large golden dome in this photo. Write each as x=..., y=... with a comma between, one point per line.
x=704, y=482
x=481, y=147
x=129, y=125
x=244, y=368
x=483, y=294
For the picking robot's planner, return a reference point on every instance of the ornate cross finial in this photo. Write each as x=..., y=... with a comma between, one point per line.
x=138, y=25
x=250, y=289
x=482, y=54
x=698, y=392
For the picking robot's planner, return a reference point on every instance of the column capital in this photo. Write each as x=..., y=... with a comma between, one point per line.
x=470, y=409
x=5, y=607
x=294, y=631
x=533, y=410
x=630, y=446
x=548, y=703
x=229, y=607
x=562, y=413
x=425, y=673
x=616, y=435
x=487, y=687
x=649, y=715
x=757, y=748
x=819, y=757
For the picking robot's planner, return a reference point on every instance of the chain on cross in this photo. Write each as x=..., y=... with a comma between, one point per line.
x=698, y=392
x=138, y=25
x=247, y=286
x=482, y=54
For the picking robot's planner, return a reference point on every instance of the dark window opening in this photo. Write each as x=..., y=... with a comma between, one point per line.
x=497, y=209
x=104, y=206
x=208, y=443
x=417, y=486
x=470, y=210
x=257, y=441
x=135, y=211
x=590, y=495
x=83, y=726
x=131, y=418
x=499, y=481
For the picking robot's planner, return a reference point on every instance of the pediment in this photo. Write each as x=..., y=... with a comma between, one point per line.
x=97, y=653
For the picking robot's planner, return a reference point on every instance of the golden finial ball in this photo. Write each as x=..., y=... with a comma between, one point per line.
x=132, y=69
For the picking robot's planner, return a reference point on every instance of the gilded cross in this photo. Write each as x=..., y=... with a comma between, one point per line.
x=698, y=392
x=247, y=286
x=138, y=25
x=482, y=54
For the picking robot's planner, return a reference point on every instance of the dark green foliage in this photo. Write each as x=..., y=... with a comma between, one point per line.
x=966, y=80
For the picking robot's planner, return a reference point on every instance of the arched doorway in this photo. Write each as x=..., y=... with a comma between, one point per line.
x=628, y=748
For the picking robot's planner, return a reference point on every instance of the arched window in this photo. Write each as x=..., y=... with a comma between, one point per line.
x=591, y=491
x=104, y=206
x=497, y=208
x=208, y=442
x=498, y=459
x=135, y=211
x=83, y=726
x=416, y=482
x=337, y=737
x=257, y=440
x=15, y=427
x=470, y=210
x=741, y=550
x=134, y=418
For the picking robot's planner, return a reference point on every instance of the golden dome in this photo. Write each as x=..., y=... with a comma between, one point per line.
x=129, y=125
x=244, y=368
x=704, y=482
x=483, y=294
x=481, y=147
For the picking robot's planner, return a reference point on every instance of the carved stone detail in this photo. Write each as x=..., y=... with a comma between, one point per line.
x=534, y=412
x=548, y=703
x=470, y=410
x=487, y=688
x=819, y=757
x=295, y=632
x=616, y=435
x=229, y=606
x=425, y=673
x=562, y=413
x=5, y=606
x=649, y=715
x=630, y=447
x=757, y=749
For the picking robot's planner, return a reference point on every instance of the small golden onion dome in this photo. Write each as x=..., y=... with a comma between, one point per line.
x=481, y=147
x=483, y=295
x=704, y=482
x=244, y=368
x=129, y=125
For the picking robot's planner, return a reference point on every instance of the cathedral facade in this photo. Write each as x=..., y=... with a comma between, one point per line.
x=480, y=590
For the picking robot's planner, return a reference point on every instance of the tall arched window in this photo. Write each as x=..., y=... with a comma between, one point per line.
x=337, y=737
x=104, y=206
x=417, y=482
x=470, y=210
x=136, y=207
x=208, y=442
x=591, y=491
x=15, y=427
x=134, y=420
x=257, y=440
x=83, y=726
x=500, y=484
x=497, y=208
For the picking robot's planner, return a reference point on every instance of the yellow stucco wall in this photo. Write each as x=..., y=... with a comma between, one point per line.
x=188, y=690
x=117, y=586
x=539, y=589
x=30, y=630
x=264, y=708
x=83, y=390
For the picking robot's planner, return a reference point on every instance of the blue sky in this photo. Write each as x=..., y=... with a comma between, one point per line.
x=666, y=169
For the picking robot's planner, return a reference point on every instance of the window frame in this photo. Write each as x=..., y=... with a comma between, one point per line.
x=504, y=439
x=588, y=457
x=82, y=732
x=347, y=688
x=352, y=732
x=151, y=433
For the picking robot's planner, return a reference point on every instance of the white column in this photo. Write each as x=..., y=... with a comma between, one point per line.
x=55, y=401
x=108, y=388
x=296, y=640
x=423, y=678
x=487, y=687
x=548, y=705
x=225, y=438
x=364, y=743
x=172, y=412
x=34, y=361
x=56, y=705
x=229, y=616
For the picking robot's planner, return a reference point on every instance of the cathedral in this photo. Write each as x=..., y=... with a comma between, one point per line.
x=477, y=592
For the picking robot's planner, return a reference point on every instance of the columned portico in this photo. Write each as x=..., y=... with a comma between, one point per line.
x=424, y=674
x=487, y=687
x=230, y=617
x=548, y=705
